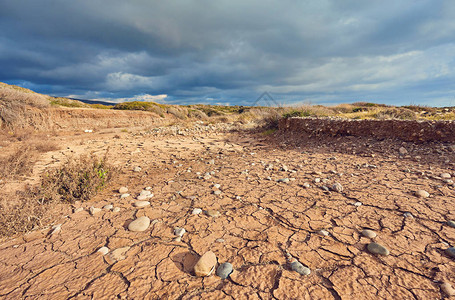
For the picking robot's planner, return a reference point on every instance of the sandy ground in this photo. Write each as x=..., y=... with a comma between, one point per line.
x=263, y=223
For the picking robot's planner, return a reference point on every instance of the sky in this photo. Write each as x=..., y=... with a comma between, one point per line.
x=230, y=52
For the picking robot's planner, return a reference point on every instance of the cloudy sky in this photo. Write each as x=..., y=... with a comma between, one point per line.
x=230, y=52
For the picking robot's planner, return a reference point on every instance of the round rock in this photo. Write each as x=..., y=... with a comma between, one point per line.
x=108, y=207
x=205, y=265
x=376, y=248
x=140, y=224
x=337, y=187
x=451, y=252
x=451, y=223
x=178, y=231
x=445, y=176
x=323, y=232
x=299, y=268
x=224, y=270
x=103, y=250
x=422, y=194
x=94, y=210
x=141, y=204
x=369, y=233
x=447, y=289
x=123, y=190
x=212, y=213
x=196, y=211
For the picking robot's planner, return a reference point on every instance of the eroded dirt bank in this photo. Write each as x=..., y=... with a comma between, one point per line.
x=264, y=220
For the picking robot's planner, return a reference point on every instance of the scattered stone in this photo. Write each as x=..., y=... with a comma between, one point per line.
x=284, y=180
x=358, y=203
x=306, y=185
x=140, y=224
x=146, y=193
x=451, y=223
x=284, y=168
x=224, y=270
x=141, y=198
x=108, y=207
x=103, y=250
x=116, y=209
x=323, y=232
x=124, y=195
x=299, y=268
x=79, y=209
x=325, y=189
x=445, y=176
x=337, y=187
x=205, y=265
x=369, y=233
x=422, y=194
x=217, y=192
x=403, y=151
x=94, y=210
x=317, y=180
x=119, y=253
x=376, y=248
x=220, y=240
x=212, y=213
x=137, y=169
x=217, y=186
x=178, y=239
x=56, y=228
x=179, y=231
x=123, y=190
x=207, y=176
x=447, y=289
x=140, y=204
x=196, y=211
x=408, y=215
x=451, y=252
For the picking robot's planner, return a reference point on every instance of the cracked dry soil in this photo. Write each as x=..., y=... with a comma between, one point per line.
x=261, y=220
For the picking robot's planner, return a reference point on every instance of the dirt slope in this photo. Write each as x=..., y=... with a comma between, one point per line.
x=262, y=226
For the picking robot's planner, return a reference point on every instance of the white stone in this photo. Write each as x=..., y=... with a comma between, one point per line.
x=103, y=250
x=140, y=224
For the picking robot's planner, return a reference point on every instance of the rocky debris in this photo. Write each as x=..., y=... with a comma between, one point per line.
x=445, y=176
x=323, y=232
x=451, y=223
x=108, y=207
x=299, y=268
x=422, y=194
x=217, y=192
x=369, y=233
x=216, y=186
x=140, y=204
x=94, y=210
x=137, y=169
x=376, y=248
x=212, y=213
x=179, y=231
x=408, y=215
x=284, y=180
x=122, y=196
x=306, y=185
x=118, y=254
x=220, y=240
x=224, y=270
x=145, y=194
x=447, y=289
x=79, y=209
x=123, y=190
x=196, y=211
x=451, y=252
x=205, y=265
x=337, y=187
x=103, y=250
x=403, y=151
x=140, y=224
x=358, y=203
x=116, y=209
x=56, y=229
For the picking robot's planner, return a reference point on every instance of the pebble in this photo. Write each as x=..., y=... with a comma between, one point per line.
x=422, y=194
x=124, y=195
x=103, y=250
x=224, y=270
x=403, y=151
x=79, y=209
x=369, y=233
x=447, y=289
x=119, y=253
x=217, y=186
x=140, y=224
x=196, y=211
x=451, y=252
x=299, y=268
x=212, y=213
x=306, y=185
x=451, y=223
x=146, y=193
x=137, y=169
x=141, y=198
x=337, y=187
x=317, y=180
x=358, y=203
x=141, y=204
x=56, y=229
x=285, y=180
x=179, y=231
x=408, y=215
x=378, y=249
x=323, y=232
x=217, y=192
x=116, y=209
x=220, y=240
x=205, y=265
x=445, y=176
x=108, y=207
x=94, y=210
x=123, y=190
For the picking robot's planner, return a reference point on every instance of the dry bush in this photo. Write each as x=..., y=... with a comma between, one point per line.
x=11, y=93
x=78, y=179
x=396, y=113
x=178, y=112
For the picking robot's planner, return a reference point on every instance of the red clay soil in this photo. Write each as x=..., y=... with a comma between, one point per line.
x=263, y=223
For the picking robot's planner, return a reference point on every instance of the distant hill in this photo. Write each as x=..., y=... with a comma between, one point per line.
x=94, y=102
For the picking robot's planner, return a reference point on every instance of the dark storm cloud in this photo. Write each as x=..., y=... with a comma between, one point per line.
x=231, y=51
